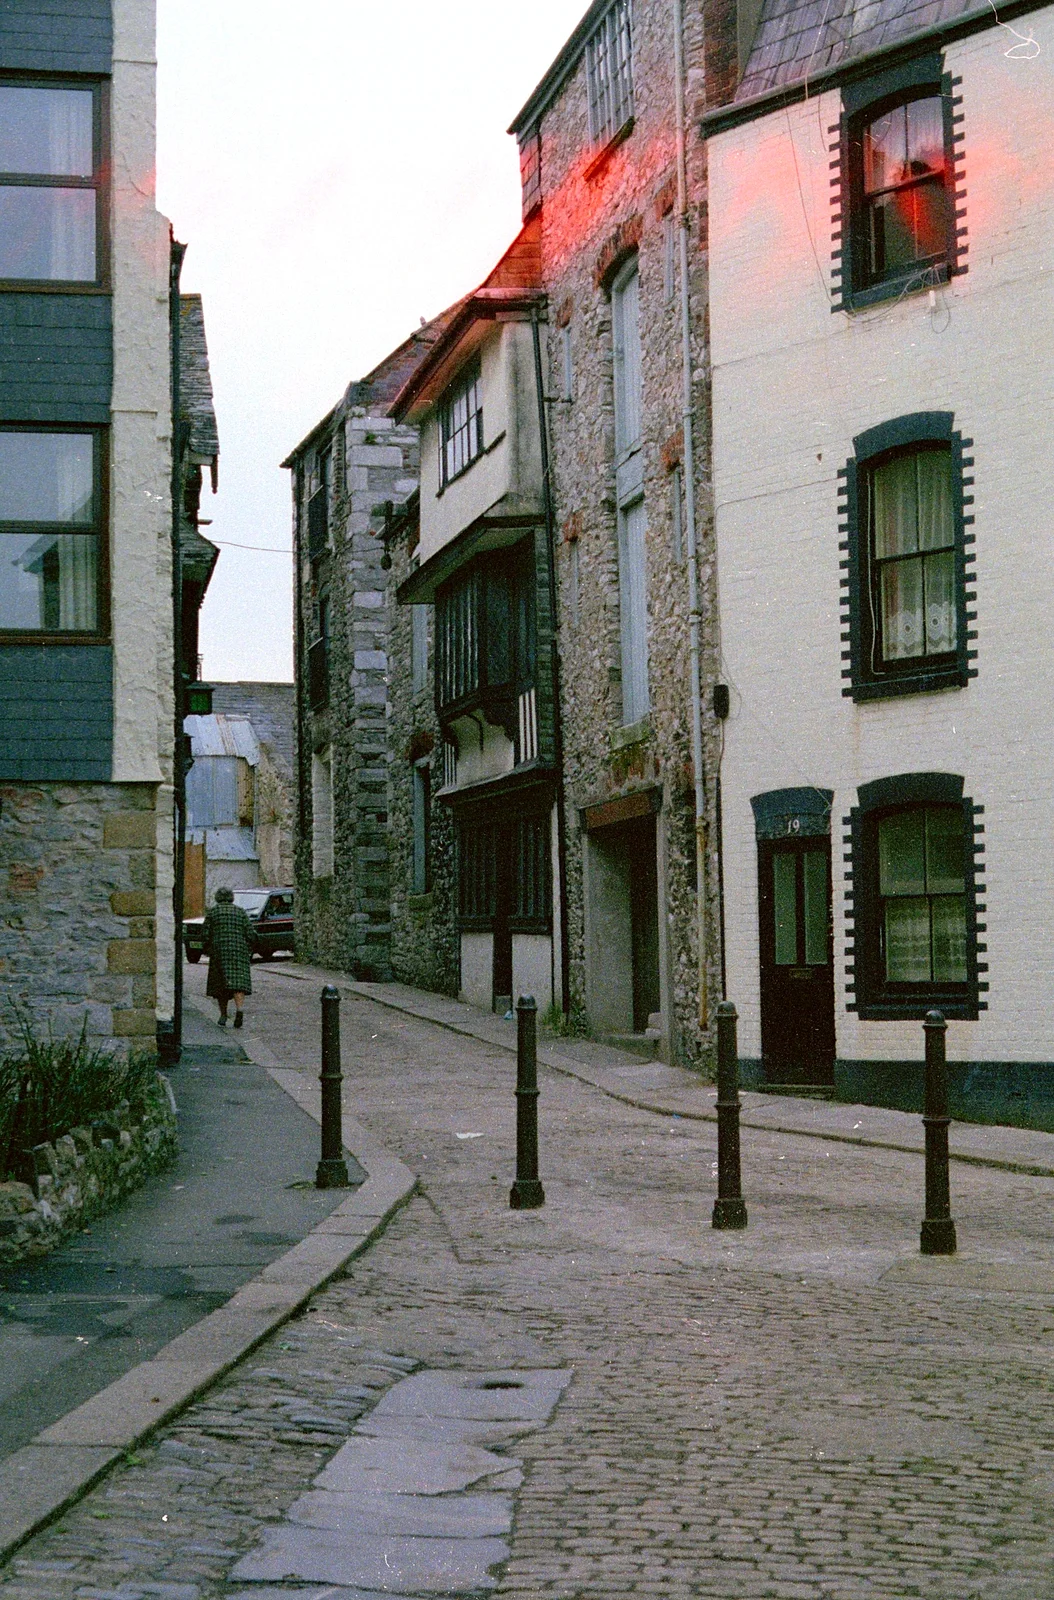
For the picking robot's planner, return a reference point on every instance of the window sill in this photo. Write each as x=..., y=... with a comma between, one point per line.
x=963, y=1009
x=595, y=167
x=631, y=733
x=50, y=286
x=78, y=639
x=918, y=281
x=954, y=677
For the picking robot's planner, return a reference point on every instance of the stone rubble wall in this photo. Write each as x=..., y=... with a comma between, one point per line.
x=78, y=905
x=84, y=1172
x=593, y=214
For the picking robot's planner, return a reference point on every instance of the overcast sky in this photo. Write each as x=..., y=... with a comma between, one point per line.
x=339, y=169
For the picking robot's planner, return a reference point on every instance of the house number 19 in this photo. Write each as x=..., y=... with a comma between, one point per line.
x=793, y=824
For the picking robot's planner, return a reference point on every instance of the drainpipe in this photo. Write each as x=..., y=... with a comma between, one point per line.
x=554, y=656
x=694, y=613
x=171, y=1041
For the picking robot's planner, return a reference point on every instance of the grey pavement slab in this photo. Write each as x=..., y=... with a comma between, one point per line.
x=406, y=1466
x=507, y=1396
x=427, y=1516
x=402, y=1565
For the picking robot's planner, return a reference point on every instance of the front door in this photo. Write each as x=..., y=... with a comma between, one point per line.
x=797, y=970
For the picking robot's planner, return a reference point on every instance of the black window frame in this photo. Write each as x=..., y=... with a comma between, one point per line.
x=99, y=529
x=99, y=182
x=865, y=677
x=486, y=635
x=869, y=993
x=468, y=382
x=862, y=102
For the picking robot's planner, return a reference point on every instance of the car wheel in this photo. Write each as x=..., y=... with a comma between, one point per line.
x=194, y=956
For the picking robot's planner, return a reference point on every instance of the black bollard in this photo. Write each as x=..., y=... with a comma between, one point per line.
x=729, y=1209
x=332, y=1170
x=938, y=1229
x=527, y=1192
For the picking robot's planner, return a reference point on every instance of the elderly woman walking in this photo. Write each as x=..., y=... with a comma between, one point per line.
x=229, y=942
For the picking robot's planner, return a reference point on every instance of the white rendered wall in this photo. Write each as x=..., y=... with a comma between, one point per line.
x=532, y=968
x=477, y=969
x=507, y=477
x=140, y=461
x=793, y=383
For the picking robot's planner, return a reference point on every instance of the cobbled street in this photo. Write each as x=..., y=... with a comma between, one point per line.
x=807, y=1411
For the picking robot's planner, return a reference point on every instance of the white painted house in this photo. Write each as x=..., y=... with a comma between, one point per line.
x=881, y=257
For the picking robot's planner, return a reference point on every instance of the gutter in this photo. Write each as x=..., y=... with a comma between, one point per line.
x=554, y=656
x=694, y=611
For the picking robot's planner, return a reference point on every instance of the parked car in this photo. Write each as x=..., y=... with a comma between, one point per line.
x=269, y=910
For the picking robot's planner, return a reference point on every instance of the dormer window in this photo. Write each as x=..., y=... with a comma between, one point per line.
x=461, y=424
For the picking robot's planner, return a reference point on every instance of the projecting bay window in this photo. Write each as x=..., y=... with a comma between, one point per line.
x=461, y=424
x=486, y=645
x=52, y=550
x=609, y=74
x=50, y=184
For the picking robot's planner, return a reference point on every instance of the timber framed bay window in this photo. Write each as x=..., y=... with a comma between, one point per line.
x=505, y=873
x=52, y=522
x=609, y=74
x=486, y=645
x=461, y=424
x=896, y=220
x=909, y=563
x=914, y=848
x=51, y=189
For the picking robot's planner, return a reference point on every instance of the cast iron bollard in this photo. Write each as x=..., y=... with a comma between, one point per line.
x=527, y=1192
x=729, y=1210
x=332, y=1170
x=938, y=1229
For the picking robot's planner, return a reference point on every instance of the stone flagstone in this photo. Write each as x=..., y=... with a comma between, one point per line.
x=403, y=1566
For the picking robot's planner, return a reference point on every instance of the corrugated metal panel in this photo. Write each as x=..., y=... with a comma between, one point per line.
x=220, y=735
x=230, y=844
x=212, y=792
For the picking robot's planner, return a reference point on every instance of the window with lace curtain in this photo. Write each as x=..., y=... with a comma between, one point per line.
x=49, y=183
x=908, y=559
x=51, y=544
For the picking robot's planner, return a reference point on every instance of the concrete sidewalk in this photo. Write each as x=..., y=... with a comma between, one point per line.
x=674, y=1092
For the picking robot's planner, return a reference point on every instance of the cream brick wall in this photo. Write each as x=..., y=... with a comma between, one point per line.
x=793, y=383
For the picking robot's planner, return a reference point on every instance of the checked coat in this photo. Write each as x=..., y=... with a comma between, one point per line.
x=229, y=942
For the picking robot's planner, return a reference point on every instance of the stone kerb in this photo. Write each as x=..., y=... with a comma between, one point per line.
x=81, y=1174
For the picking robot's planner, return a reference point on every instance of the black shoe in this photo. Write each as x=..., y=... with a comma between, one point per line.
x=239, y=1018
x=221, y=1022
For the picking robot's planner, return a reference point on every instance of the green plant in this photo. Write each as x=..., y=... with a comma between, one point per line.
x=569, y=1025
x=48, y=1086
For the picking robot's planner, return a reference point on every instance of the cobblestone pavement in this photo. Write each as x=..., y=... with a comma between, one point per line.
x=806, y=1410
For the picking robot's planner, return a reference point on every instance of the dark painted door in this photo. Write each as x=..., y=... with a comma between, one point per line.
x=797, y=971
x=644, y=920
x=503, y=995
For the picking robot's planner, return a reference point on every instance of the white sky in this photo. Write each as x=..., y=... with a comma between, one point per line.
x=339, y=169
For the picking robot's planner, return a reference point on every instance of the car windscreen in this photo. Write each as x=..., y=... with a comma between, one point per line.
x=250, y=900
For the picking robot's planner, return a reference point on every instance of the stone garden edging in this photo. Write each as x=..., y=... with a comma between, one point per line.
x=84, y=1172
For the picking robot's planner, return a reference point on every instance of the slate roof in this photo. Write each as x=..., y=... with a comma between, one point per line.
x=797, y=39
x=195, y=383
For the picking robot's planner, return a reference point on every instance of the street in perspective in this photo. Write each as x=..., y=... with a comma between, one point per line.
x=526, y=1020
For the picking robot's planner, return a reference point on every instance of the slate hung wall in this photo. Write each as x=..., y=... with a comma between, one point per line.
x=85, y=600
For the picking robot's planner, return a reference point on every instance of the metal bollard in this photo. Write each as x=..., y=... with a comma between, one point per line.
x=938, y=1230
x=332, y=1170
x=729, y=1209
x=527, y=1192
